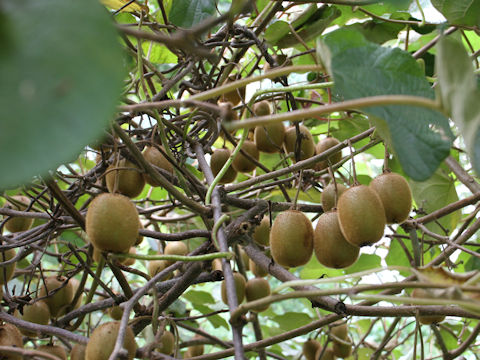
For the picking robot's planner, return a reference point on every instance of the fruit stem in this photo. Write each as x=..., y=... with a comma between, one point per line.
x=216, y=226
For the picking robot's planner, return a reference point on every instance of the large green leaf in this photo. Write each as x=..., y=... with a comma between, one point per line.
x=61, y=68
x=420, y=137
x=459, y=12
x=187, y=13
x=459, y=93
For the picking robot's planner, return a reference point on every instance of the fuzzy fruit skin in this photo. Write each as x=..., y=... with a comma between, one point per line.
x=257, y=270
x=396, y=196
x=241, y=163
x=328, y=196
x=115, y=312
x=112, y=223
x=240, y=283
x=269, y=138
x=342, y=350
x=58, y=301
x=307, y=146
x=327, y=355
x=331, y=248
x=261, y=235
x=218, y=159
x=324, y=145
x=58, y=351
x=129, y=261
x=426, y=319
x=78, y=352
x=245, y=258
x=10, y=336
x=309, y=348
x=155, y=266
x=291, y=239
x=6, y=272
x=262, y=108
x=102, y=341
x=235, y=96
x=155, y=157
x=361, y=216
x=37, y=313
x=257, y=288
x=130, y=181
x=175, y=248
x=339, y=330
x=166, y=343
x=17, y=224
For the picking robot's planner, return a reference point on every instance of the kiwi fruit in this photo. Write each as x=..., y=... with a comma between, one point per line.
x=426, y=319
x=228, y=113
x=78, y=352
x=37, y=313
x=330, y=197
x=166, y=343
x=291, y=239
x=307, y=145
x=155, y=157
x=245, y=258
x=112, y=223
x=396, y=196
x=342, y=350
x=217, y=265
x=331, y=248
x=127, y=176
x=56, y=350
x=235, y=96
x=257, y=288
x=257, y=270
x=269, y=138
x=324, y=145
x=196, y=350
x=60, y=294
x=175, y=248
x=16, y=224
x=361, y=216
x=327, y=354
x=241, y=163
x=10, y=336
x=261, y=234
x=309, y=348
x=115, y=312
x=102, y=341
x=262, y=108
x=139, y=239
x=217, y=160
x=339, y=330
x=240, y=283
x=155, y=266
x=129, y=261
x=6, y=272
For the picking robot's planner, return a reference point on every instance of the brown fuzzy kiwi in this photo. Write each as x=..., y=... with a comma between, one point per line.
x=155, y=157
x=235, y=96
x=112, y=223
x=262, y=108
x=139, y=238
x=78, y=352
x=307, y=145
x=324, y=145
x=261, y=234
x=227, y=112
x=331, y=248
x=291, y=239
x=155, y=266
x=339, y=330
x=10, y=336
x=327, y=354
x=245, y=258
x=102, y=341
x=217, y=160
x=37, y=313
x=257, y=270
x=330, y=197
x=239, y=287
x=309, y=348
x=342, y=350
x=115, y=312
x=129, y=261
x=196, y=350
x=241, y=163
x=56, y=350
x=175, y=248
x=396, y=196
x=16, y=224
x=166, y=343
x=426, y=319
x=361, y=216
x=6, y=272
x=60, y=294
x=269, y=138
x=129, y=179
x=257, y=288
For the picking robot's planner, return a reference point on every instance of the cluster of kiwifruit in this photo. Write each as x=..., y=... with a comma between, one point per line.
x=342, y=345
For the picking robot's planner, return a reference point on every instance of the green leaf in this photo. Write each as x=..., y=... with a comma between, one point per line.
x=473, y=263
x=420, y=137
x=216, y=320
x=459, y=12
x=377, y=31
x=433, y=194
x=276, y=31
x=459, y=93
x=364, y=262
x=61, y=80
x=187, y=13
x=396, y=255
x=292, y=320
x=196, y=296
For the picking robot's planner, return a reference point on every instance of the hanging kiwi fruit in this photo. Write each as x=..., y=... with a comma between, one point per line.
x=102, y=341
x=16, y=224
x=322, y=146
x=217, y=160
x=240, y=283
x=37, y=313
x=156, y=158
x=58, y=292
x=126, y=178
x=6, y=272
x=255, y=289
x=310, y=347
x=11, y=336
x=330, y=196
x=307, y=144
x=261, y=234
x=243, y=164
